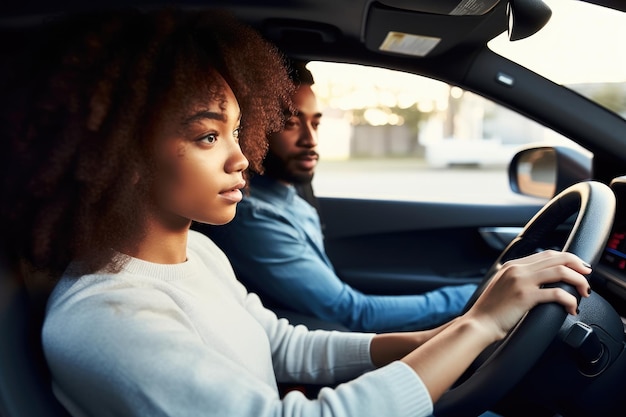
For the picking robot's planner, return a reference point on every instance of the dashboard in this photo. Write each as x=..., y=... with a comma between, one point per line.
x=610, y=273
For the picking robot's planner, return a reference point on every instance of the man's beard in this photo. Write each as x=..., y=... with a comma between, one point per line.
x=278, y=169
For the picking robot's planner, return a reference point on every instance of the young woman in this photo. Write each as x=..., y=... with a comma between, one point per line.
x=122, y=129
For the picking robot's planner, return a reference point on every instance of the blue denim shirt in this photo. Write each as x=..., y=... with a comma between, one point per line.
x=276, y=246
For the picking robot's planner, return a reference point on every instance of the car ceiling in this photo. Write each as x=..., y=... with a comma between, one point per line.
x=352, y=31
x=339, y=30
x=331, y=29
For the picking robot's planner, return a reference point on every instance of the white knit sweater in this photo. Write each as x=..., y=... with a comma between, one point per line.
x=189, y=340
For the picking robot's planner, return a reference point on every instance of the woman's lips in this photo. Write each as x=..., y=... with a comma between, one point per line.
x=234, y=195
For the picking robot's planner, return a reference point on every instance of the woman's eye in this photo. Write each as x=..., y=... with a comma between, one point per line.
x=236, y=133
x=291, y=123
x=211, y=138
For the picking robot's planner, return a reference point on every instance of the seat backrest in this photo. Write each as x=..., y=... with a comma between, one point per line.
x=25, y=389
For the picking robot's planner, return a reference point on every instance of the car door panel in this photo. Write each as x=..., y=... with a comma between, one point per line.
x=399, y=247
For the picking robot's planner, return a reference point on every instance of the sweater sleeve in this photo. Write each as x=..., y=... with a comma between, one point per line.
x=132, y=352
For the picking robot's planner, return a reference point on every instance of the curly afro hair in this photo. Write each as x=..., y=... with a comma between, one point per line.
x=74, y=107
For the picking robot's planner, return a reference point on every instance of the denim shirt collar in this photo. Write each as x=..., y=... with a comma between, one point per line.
x=272, y=190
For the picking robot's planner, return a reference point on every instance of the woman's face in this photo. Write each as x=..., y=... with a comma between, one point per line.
x=199, y=164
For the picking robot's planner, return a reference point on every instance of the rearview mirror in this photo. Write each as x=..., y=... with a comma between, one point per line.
x=526, y=17
x=546, y=171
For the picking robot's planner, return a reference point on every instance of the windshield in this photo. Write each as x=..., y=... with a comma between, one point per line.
x=581, y=48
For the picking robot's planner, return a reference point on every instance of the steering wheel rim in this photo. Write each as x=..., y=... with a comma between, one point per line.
x=504, y=364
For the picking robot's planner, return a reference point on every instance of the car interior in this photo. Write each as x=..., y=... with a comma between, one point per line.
x=551, y=364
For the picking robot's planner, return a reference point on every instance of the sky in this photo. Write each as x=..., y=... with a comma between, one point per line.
x=596, y=34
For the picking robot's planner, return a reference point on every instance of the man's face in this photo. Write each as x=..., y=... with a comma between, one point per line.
x=292, y=154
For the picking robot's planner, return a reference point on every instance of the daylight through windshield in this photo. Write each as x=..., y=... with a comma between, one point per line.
x=577, y=48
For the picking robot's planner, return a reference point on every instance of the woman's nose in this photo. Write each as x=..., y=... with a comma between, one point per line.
x=237, y=160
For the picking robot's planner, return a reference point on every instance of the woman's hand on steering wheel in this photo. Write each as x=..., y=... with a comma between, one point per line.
x=521, y=285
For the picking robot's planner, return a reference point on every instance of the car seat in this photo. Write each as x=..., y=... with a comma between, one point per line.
x=25, y=389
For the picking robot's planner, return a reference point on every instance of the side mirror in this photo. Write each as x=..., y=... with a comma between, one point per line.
x=546, y=171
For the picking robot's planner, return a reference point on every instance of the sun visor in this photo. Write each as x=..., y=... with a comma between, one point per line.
x=419, y=34
x=447, y=7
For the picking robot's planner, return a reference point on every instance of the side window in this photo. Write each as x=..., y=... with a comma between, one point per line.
x=392, y=135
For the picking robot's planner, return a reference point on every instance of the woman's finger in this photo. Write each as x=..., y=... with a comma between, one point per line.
x=558, y=295
x=552, y=257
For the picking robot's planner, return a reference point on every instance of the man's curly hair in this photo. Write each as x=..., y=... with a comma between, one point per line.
x=76, y=107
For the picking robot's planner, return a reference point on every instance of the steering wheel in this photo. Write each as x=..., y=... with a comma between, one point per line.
x=503, y=364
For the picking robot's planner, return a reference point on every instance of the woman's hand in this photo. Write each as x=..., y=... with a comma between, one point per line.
x=518, y=287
